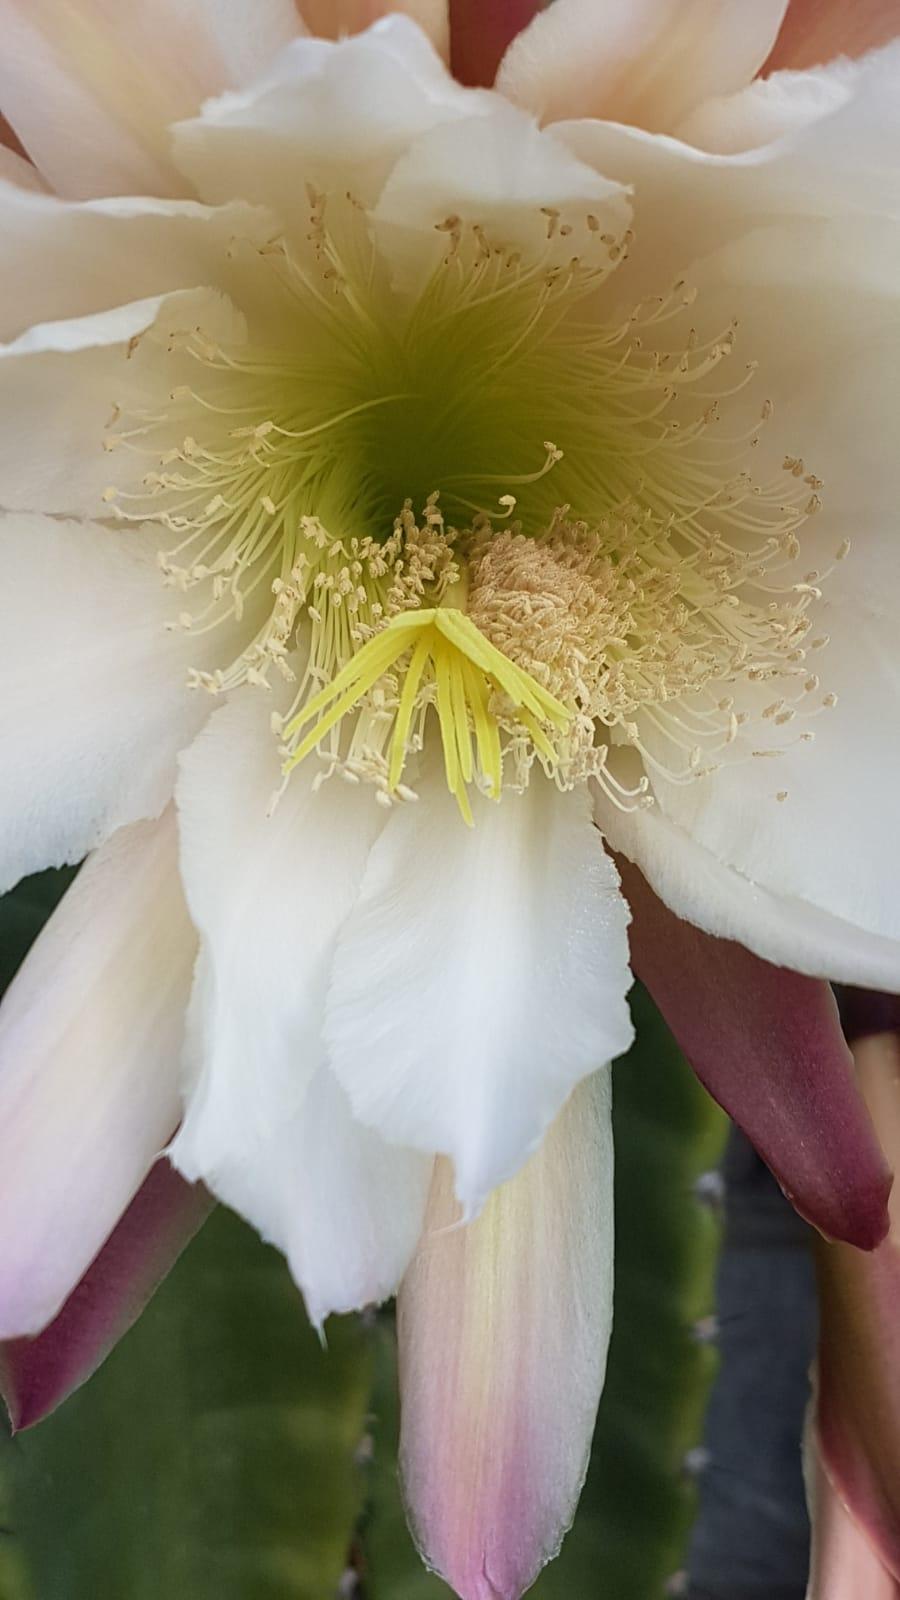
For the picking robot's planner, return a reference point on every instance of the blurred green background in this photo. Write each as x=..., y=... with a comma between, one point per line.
x=222, y=1452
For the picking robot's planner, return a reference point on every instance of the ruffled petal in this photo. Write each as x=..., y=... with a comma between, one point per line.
x=815, y=31
x=481, y=974
x=265, y=1125
x=340, y=114
x=37, y=1375
x=786, y=243
x=332, y=18
x=92, y=87
x=834, y=167
x=504, y=1325
x=647, y=62
x=112, y=250
x=90, y=1039
x=699, y=887
x=767, y=1044
x=500, y=171
x=61, y=381
x=94, y=707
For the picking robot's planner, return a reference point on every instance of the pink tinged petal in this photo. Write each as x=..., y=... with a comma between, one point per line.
x=90, y=1040
x=845, y=1564
x=816, y=31
x=479, y=977
x=767, y=1044
x=332, y=18
x=857, y=1423
x=266, y=1124
x=94, y=707
x=37, y=1375
x=646, y=62
x=503, y=1326
x=481, y=31
x=91, y=86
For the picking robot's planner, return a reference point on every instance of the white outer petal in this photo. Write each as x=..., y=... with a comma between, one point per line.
x=480, y=976
x=94, y=706
x=265, y=1125
x=61, y=259
x=648, y=62
x=769, y=108
x=91, y=86
x=499, y=170
x=336, y=114
x=90, y=1038
x=840, y=167
x=703, y=890
x=503, y=1327
x=60, y=380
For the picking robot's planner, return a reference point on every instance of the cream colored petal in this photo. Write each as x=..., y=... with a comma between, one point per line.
x=339, y=114
x=503, y=1327
x=94, y=706
x=266, y=1125
x=479, y=976
x=90, y=1038
x=500, y=172
x=769, y=108
x=91, y=86
x=647, y=62
x=332, y=18
x=785, y=930
x=61, y=383
x=61, y=259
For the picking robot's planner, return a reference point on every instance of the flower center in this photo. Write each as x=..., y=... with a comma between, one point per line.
x=645, y=574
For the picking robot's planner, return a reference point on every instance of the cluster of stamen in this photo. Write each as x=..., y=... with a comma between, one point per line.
x=643, y=617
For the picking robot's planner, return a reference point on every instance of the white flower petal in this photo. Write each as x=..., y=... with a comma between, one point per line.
x=503, y=1327
x=264, y=1126
x=834, y=377
x=60, y=381
x=91, y=87
x=838, y=167
x=332, y=18
x=499, y=171
x=330, y=113
x=90, y=1037
x=701, y=889
x=479, y=977
x=648, y=62
x=94, y=706
x=61, y=259
x=769, y=108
